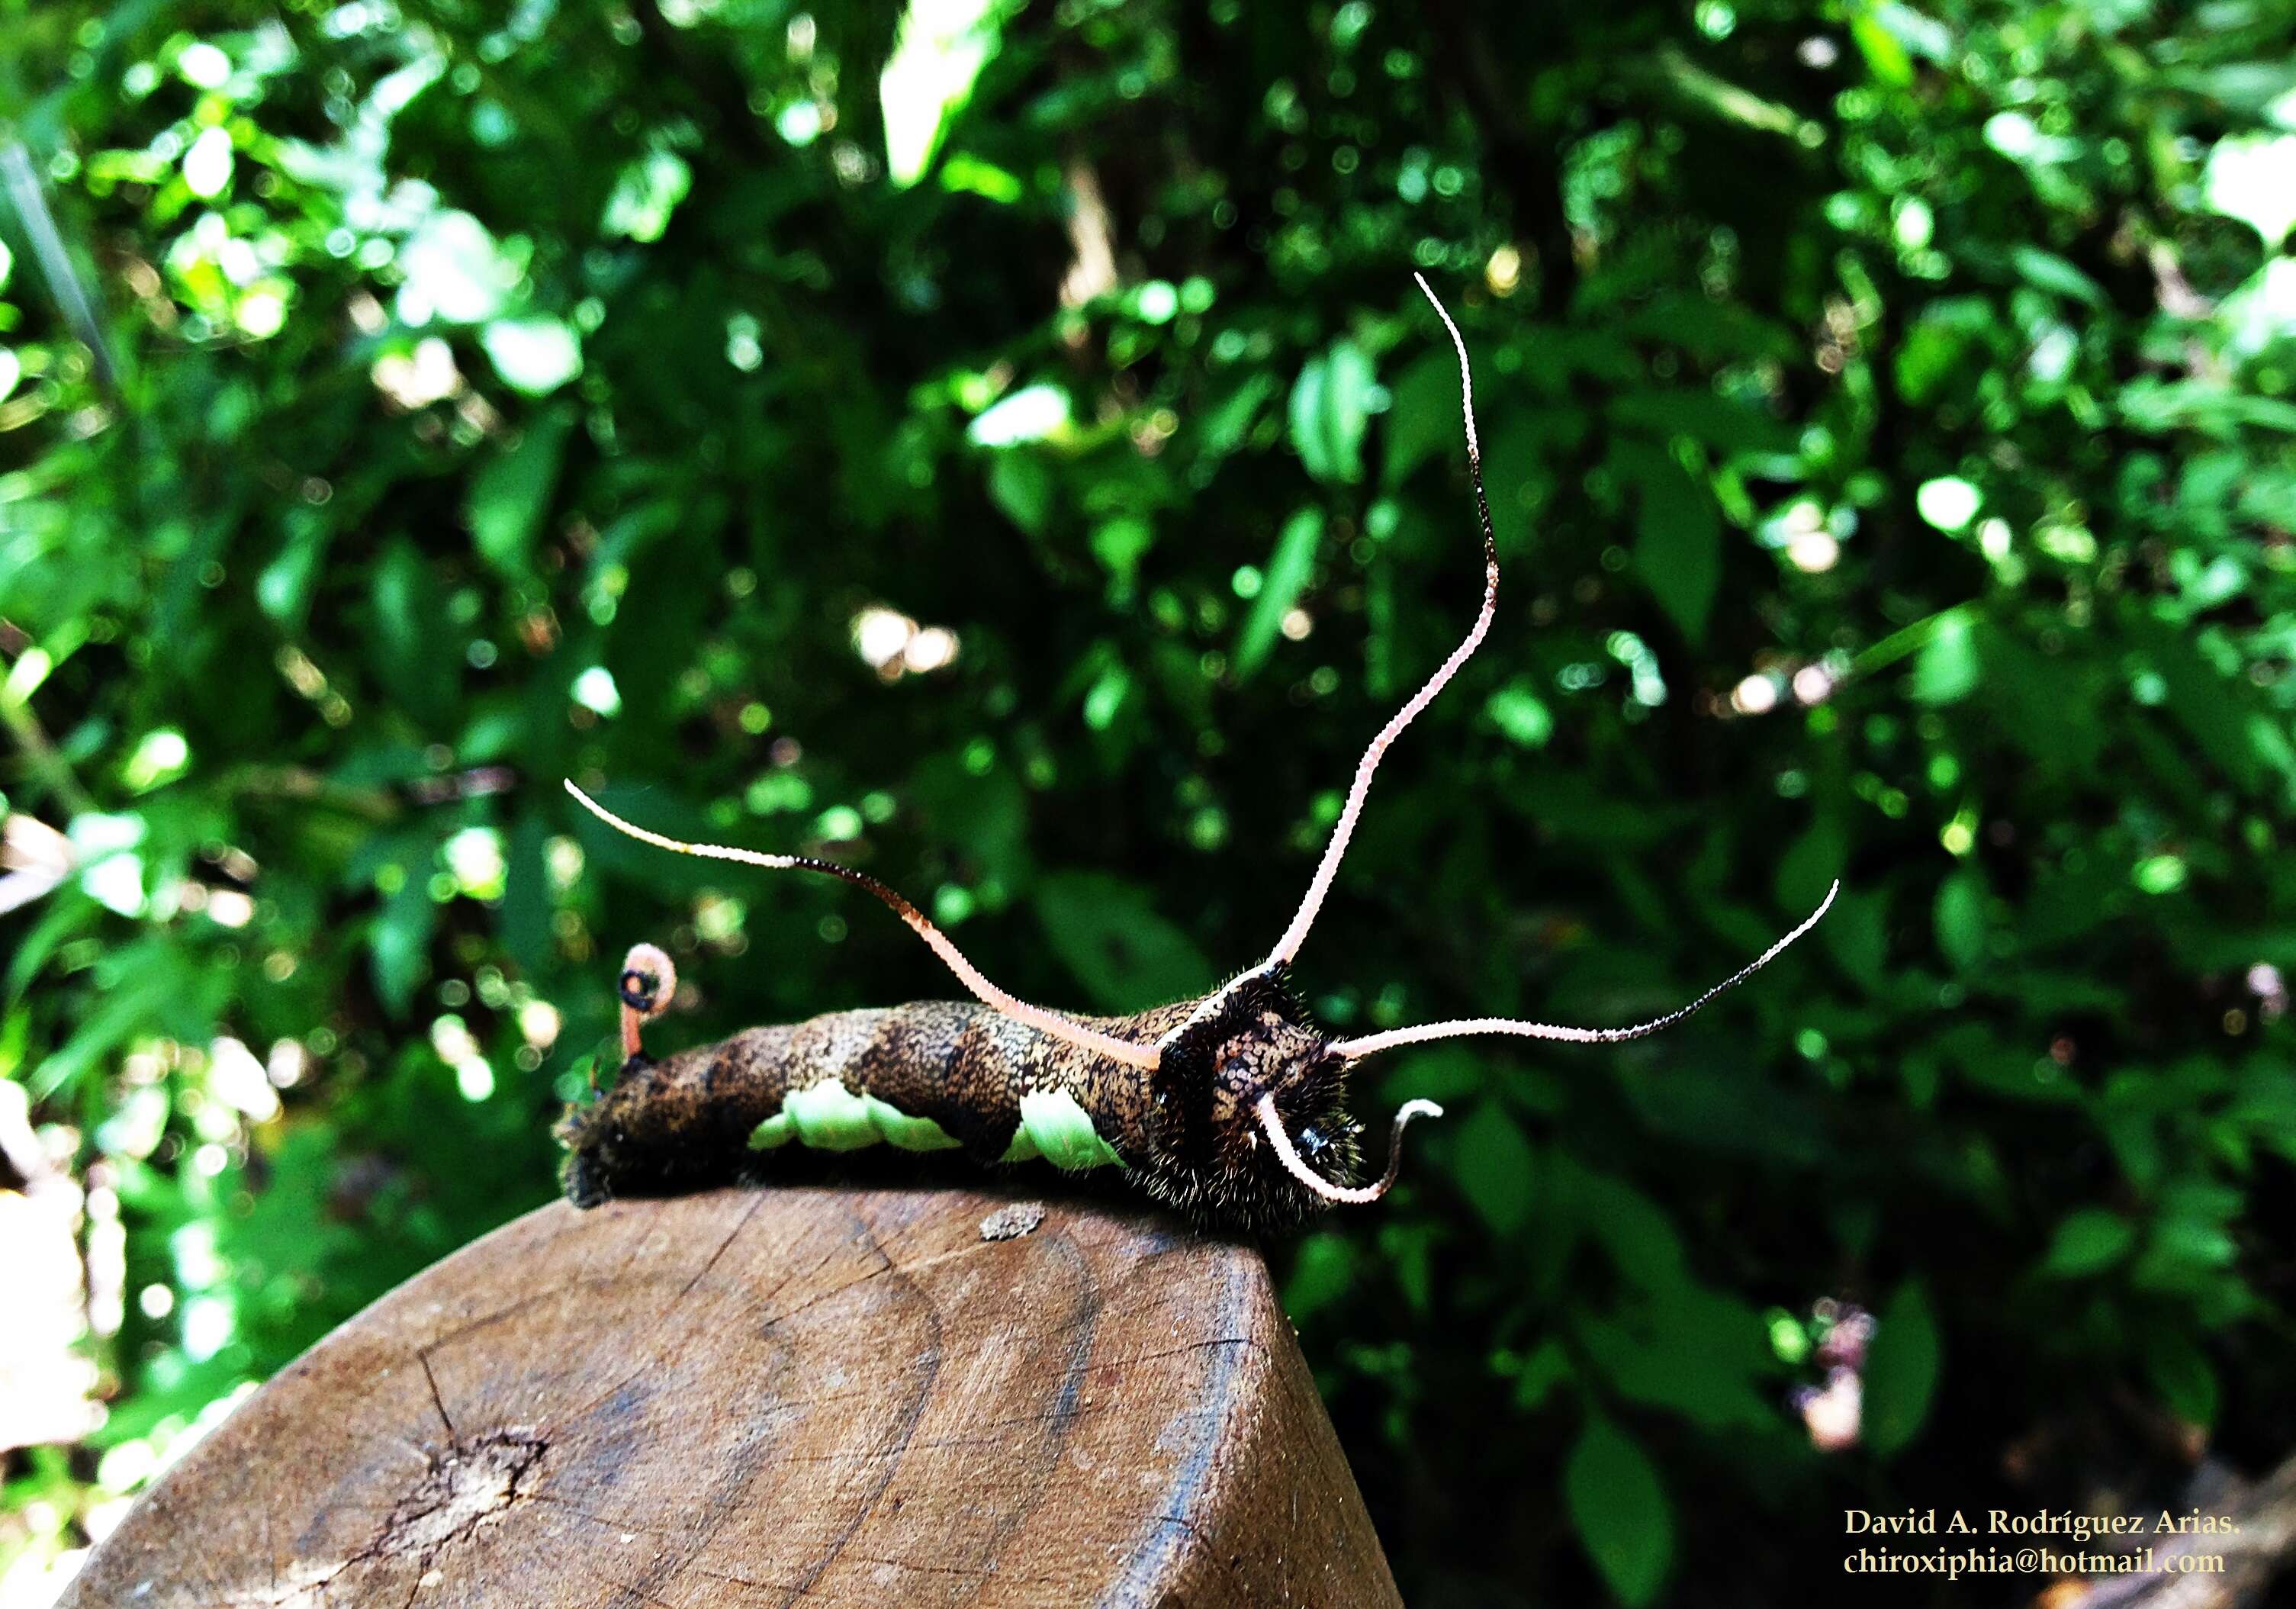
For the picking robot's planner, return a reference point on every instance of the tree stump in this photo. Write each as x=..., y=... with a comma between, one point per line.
x=845, y=1396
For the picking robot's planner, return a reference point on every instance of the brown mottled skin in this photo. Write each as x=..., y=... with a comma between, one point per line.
x=1186, y=1131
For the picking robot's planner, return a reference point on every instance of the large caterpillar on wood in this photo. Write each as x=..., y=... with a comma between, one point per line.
x=1231, y=1108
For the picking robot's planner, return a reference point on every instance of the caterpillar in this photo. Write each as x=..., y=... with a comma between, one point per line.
x=1231, y=1107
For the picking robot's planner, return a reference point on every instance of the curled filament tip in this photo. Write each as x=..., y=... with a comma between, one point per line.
x=1297, y=1166
x=648, y=982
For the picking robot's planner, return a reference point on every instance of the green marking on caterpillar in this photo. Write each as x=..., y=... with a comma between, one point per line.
x=828, y=1116
x=1053, y=1126
x=906, y=1133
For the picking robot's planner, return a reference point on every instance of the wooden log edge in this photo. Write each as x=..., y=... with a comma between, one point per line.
x=752, y=1396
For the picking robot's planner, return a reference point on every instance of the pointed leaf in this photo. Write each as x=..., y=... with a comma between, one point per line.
x=1619, y=1510
x=1331, y=404
x=1126, y=954
x=1288, y=571
x=510, y=497
x=1901, y=1371
x=1678, y=537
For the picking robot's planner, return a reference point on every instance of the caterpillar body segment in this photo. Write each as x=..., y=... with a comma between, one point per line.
x=956, y=1075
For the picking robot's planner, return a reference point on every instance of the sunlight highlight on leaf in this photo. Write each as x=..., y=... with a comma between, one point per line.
x=942, y=46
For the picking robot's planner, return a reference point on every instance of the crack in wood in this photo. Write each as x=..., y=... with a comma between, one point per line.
x=464, y=1488
x=469, y=1484
x=437, y=1401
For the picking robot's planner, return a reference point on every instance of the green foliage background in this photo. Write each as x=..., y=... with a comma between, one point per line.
x=1888, y=416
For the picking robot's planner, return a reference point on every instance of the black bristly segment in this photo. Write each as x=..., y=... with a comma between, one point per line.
x=1190, y=1071
x=1184, y=1090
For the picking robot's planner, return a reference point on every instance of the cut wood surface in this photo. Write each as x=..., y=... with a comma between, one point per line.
x=840, y=1396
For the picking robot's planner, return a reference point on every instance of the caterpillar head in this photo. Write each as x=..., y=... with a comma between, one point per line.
x=1249, y=1121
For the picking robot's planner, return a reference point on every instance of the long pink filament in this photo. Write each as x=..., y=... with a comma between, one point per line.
x=1328, y=869
x=1019, y=1011
x=1297, y=1166
x=1372, y=1045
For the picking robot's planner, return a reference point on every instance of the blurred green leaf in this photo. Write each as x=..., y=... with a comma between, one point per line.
x=1289, y=569
x=528, y=906
x=1423, y=421
x=1678, y=539
x=1960, y=918
x=1110, y=936
x=1545, y=1370
x=454, y=271
x=510, y=498
x=980, y=813
x=1902, y=1369
x=2184, y=1377
x=401, y=945
x=1720, y=423
x=1331, y=404
x=1885, y=58
x=645, y=194
x=2053, y=273
x=1228, y=422
x=2088, y=1241
x=1689, y=1352
x=1521, y=714
x=415, y=659
x=939, y=54
x=1023, y=486
x=1494, y=1165
x=1620, y=1511
x=1811, y=865
x=1323, y=1266
x=1946, y=670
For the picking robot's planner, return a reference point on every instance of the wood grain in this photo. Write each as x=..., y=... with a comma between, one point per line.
x=843, y=1396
